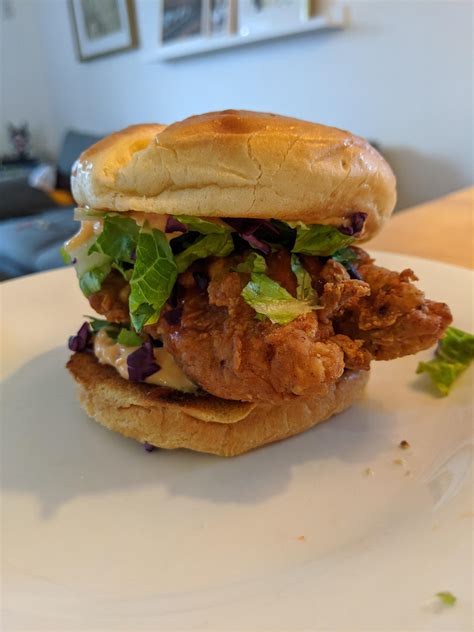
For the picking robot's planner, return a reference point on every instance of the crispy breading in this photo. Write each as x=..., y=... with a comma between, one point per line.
x=222, y=346
x=395, y=319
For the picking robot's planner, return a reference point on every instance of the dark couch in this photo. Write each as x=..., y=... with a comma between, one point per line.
x=32, y=226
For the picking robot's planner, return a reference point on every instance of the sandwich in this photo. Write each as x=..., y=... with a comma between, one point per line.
x=223, y=255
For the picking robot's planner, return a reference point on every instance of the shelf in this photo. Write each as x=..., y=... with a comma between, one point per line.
x=202, y=45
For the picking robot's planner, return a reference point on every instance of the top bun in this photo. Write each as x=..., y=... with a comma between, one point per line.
x=237, y=163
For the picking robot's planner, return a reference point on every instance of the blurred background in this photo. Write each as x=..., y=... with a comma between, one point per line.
x=397, y=72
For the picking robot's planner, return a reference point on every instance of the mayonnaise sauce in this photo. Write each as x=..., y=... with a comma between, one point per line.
x=88, y=230
x=110, y=352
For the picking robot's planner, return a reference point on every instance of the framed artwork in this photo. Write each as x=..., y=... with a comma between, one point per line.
x=181, y=20
x=222, y=17
x=103, y=27
x=257, y=16
x=194, y=27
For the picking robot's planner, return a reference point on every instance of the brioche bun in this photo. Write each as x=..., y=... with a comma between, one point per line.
x=242, y=164
x=171, y=420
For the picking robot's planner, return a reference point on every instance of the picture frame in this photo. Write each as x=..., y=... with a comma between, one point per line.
x=216, y=25
x=259, y=16
x=103, y=27
x=222, y=17
x=182, y=20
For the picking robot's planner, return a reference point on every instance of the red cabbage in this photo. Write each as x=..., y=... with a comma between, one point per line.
x=201, y=279
x=356, y=226
x=149, y=447
x=174, y=226
x=82, y=340
x=141, y=363
x=246, y=228
x=353, y=272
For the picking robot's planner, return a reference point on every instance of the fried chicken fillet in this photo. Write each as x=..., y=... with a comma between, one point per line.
x=224, y=349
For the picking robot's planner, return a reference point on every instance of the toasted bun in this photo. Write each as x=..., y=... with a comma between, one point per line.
x=238, y=164
x=154, y=415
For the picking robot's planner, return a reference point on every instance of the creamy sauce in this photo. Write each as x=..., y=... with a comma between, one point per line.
x=86, y=232
x=90, y=228
x=110, y=352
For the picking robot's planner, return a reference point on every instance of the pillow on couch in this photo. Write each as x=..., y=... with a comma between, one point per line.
x=32, y=244
x=18, y=199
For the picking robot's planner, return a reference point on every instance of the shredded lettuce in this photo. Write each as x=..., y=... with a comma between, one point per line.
x=345, y=256
x=319, y=240
x=91, y=280
x=96, y=324
x=118, y=239
x=304, y=289
x=151, y=265
x=66, y=257
x=91, y=269
x=253, y=263
x=446, y=597
x=267, y=297
x=153, y=278
x=212, y=244
x=129, y=338
x=453, y=355
x=202, y=226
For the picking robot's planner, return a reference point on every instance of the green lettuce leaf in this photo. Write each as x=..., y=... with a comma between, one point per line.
x=66, y=257
x=253, y=263
x=96, y=324
x=129, y=338
x=345, y=256
x=267, y=297
x=118, y=239
x=91, y=280
x=319, y=240
x=453, y=355
x=213, y=244
x=304, y=290
x=446, y=597
x=202, y=226
x=153, y=278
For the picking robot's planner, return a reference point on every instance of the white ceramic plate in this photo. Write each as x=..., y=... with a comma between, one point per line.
x=100, y=535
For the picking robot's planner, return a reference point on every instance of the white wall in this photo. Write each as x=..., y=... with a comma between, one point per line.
x=402, y=75
x=24, y=93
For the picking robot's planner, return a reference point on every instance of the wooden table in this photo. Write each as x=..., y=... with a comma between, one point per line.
x=440, y=230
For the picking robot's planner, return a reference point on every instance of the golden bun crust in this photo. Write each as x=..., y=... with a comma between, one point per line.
x=150, y=414
x=238, y=163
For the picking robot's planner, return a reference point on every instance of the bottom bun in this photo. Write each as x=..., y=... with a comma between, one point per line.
x=154, y=415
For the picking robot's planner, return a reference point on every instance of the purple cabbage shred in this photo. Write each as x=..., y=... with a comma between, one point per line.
x=141, y=363
x=201, y=279
x=246, y=228
x=82, y=340
x=173, y=316
x=174, y=226
x=356, y=226
x=353, y=272
x=149, y=447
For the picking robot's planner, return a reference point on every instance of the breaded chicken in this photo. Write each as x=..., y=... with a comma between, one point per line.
x=223, y=347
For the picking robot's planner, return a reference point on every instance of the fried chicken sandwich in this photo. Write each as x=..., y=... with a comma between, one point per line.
x=237, y=306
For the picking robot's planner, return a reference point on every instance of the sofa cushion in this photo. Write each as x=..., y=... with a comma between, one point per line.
x=32, y=244
x=18, y=199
